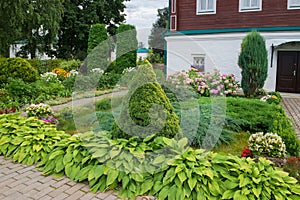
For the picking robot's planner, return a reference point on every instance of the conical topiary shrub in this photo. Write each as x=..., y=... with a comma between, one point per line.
x=146, y=110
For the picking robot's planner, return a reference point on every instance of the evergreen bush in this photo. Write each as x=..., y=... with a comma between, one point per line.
x=253, y=60
x=146, y=110
x=17, y=68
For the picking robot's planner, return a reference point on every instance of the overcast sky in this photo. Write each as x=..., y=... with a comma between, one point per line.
x=142, y=14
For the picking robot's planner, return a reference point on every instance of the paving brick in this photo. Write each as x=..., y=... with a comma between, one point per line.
x=74, y=188
x=75, y=195
x=87, y=196
x=59, y=190
x=60, y=196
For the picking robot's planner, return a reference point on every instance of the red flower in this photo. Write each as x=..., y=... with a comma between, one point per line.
x=247, y=153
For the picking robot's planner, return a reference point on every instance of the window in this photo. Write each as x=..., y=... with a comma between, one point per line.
x=250, y=5
x=198, y=62
x=206, y=7
x=293, y=4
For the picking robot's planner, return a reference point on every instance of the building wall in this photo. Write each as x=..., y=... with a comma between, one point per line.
x=274, y=13
x=221, y=52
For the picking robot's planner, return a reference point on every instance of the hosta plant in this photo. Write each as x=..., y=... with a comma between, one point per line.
x=267, y=144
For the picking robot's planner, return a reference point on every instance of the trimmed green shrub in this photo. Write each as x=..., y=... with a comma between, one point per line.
x=253, y=60
x=146, y=110
x=17, y=68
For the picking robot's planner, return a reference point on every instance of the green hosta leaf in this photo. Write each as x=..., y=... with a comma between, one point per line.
x=243, y=180
x=182, y=143
x=56, y=153
x=170, y=175
x=17, y=140
x=239, y=196
x=59, y=164
x=214, y=188
x=114, y=152
x=83, y=174
x=137, y=177
x=163, y=193
x=4, y=140
x=112, y=175
x=167, y=141
x=230, y=185
x=98, y=171
x=74, y=171
x=278, y=196
x=257, y=191
x=67, y=158
x=228, y=194
x=296, y=189
x=37, y=147
x=100, y=153
x=256, y=180
x=146, y=186
x=172, y=192
x=192, y=182
x=182, y=176
x=125, y=181
x=159, y=159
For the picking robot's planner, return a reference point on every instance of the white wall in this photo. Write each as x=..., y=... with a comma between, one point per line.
x=17, y=47
x=221, y=52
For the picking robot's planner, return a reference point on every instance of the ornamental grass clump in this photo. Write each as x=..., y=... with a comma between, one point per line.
x=268, y=144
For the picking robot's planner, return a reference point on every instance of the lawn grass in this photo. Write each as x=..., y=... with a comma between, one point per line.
x=235, y=147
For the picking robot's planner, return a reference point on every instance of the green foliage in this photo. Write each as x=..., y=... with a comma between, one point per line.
x=70, y=65
x=26, y=140
x=108, y=80
x=40, y=26
x=253, y=60
x=146, y=110
x=97, y=35
x=77, y=20
x=126, y=47
x=98, y=47
x=257, y=116
x=17, y=68
x=44, y=66
x=157, y=166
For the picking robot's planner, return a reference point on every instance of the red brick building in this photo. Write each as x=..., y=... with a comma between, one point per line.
x=211, y=32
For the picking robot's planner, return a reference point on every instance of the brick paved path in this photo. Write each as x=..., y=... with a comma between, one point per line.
x=291, y=104
x=21, y=182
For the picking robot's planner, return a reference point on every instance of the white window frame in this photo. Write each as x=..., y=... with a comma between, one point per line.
x=173, y=8
x=290, y=6
x=250, y=9
x=207, y=11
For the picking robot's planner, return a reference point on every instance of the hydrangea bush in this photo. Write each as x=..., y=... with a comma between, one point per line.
x=268, y=144
x=206, y=84
x=38, y=110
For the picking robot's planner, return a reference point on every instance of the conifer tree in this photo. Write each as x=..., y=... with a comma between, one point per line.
x=253, y=61
x=146, y=110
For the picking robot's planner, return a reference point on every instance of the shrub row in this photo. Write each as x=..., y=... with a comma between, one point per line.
x=157, y=166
